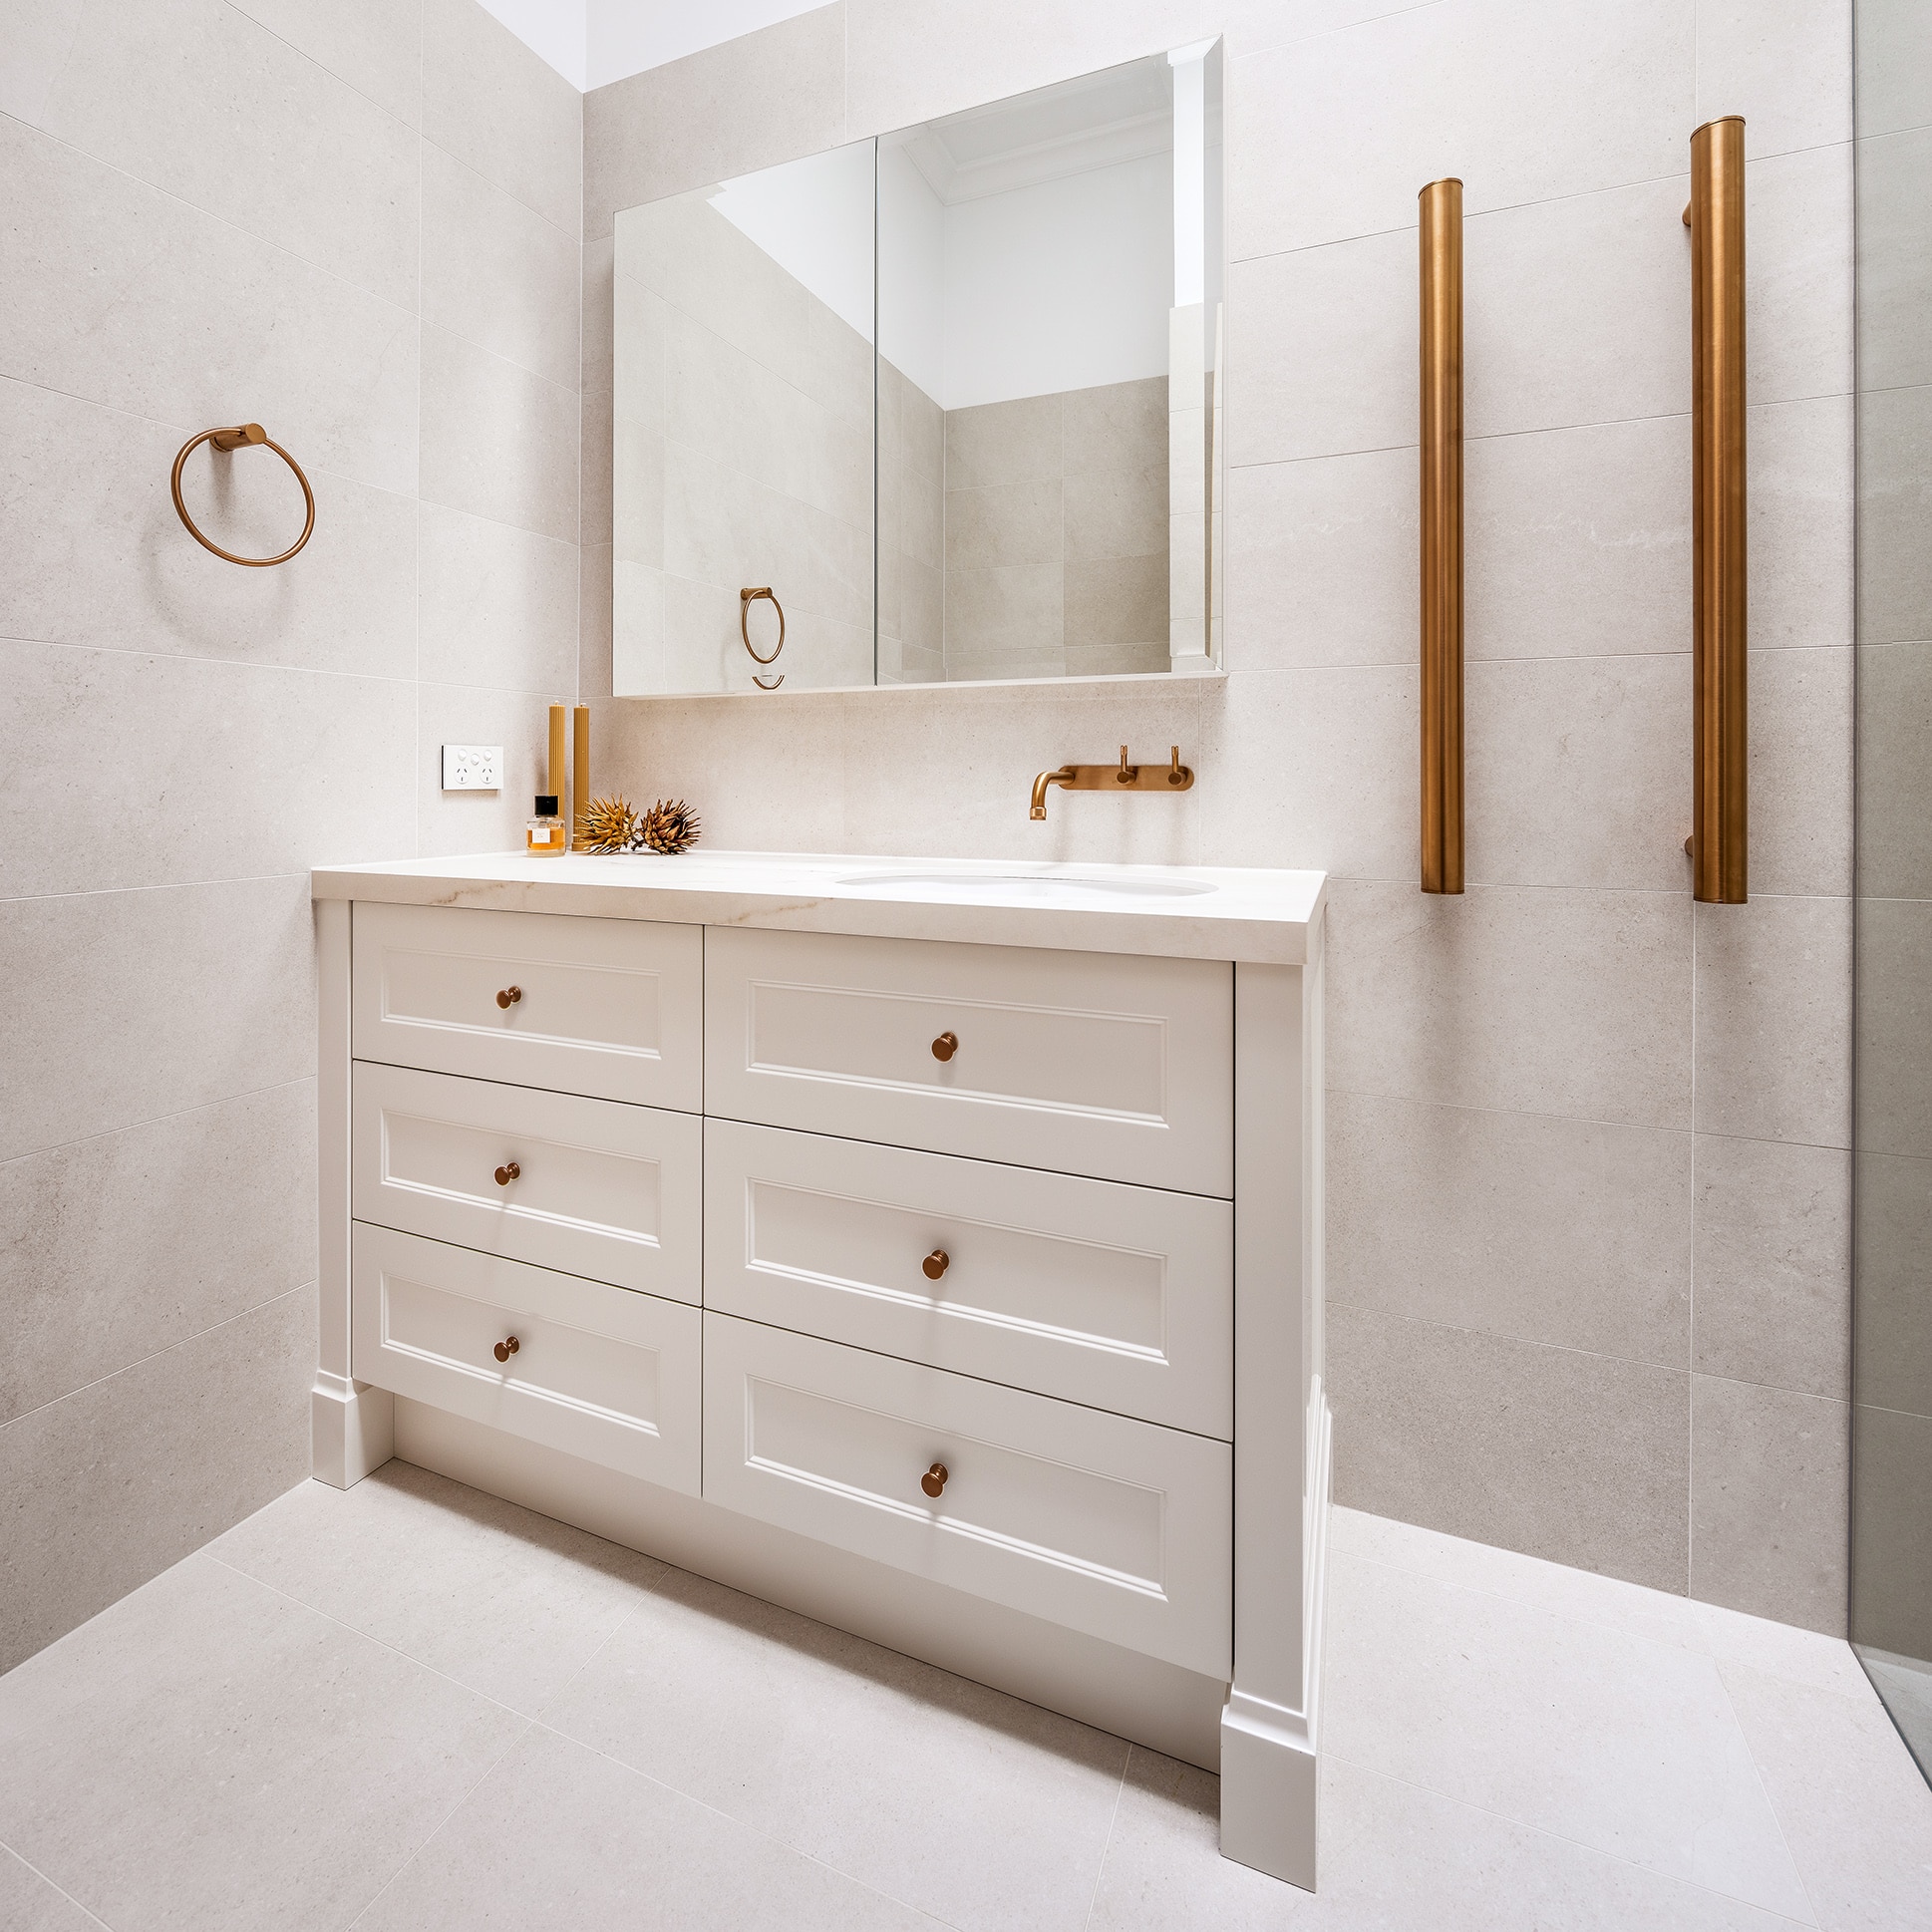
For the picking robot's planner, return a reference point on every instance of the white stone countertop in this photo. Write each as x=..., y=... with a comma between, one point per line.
x=1173, y=911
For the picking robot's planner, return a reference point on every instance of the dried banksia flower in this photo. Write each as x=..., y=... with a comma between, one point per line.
x=606, y=824
x=669, y=828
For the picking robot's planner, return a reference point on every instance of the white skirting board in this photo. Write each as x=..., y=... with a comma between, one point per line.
x=1143, y=1699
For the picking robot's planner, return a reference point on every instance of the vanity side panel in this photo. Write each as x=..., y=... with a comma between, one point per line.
x=351, y=1425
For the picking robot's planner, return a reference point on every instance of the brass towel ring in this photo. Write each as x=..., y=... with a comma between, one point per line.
x=241, y=437
x=746, y=599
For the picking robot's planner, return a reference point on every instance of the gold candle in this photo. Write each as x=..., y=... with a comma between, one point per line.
x=555, y=781
x=580, y=770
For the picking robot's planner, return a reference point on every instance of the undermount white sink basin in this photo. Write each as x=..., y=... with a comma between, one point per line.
x=1042, y=886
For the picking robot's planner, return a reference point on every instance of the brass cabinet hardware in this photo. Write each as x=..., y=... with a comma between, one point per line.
x=510, y=996
x=507, y=1348
x=945, y=1046
x=933, y=1482
x=1440, y=226
x=1124, y=776
x=746, y=599
x=936, y=1263
x=1720, y=640
x=244, y=436
x=507, y=1173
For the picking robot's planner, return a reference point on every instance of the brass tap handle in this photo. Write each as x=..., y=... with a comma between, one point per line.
x=933, y=1482
x=1177, y=773
x=510, y=996
x=1129, y=772
x=507, y=1173
x=507, y=1348
x=945, y=1046
x=936, y=1263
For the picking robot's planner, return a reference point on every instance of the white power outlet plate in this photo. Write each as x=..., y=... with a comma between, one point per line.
x=472, y=767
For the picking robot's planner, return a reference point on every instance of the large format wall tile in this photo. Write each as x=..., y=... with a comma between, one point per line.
x=1894, y=1027
x=207, y=798
x=1524, y=104
x=1894, y=509
x=1581, y=1459
x=1801, y=771
x=1772, y=1260
x=374, y=45
x=598, y=378
x=1785, y=65
x=482, y=822
x=1893, y=1337
x=1894, y=182
x=108, y=1485
x=1533, y=1001
x=496, y=273
x=1891, y=1580
x=1798, y=465
x=497, y=605
x=1774, y=1031
x=1573, y=771
x=292, y=156
x=498, y=441
x=502, y=110
x=121, y=1245
x=1798, y=310
x=94, y=553
x=1515, y=1224
x=130, y=1005
x=764, y=98
x=108, y=291
x=1893, y=52
x=1768, y=1475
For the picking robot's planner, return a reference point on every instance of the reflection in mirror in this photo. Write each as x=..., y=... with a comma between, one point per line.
x=950, y=397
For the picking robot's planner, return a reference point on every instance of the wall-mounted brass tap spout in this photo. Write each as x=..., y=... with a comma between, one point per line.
x=1124, y=776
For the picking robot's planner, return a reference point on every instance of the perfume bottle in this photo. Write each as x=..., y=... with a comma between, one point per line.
x=547, y=833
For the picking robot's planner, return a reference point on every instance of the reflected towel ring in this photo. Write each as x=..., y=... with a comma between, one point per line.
x=746, y=599
x=241, y=437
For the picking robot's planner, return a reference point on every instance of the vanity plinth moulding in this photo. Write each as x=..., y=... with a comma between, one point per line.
x=934, y=1250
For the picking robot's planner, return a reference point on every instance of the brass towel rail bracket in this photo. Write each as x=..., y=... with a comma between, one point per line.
x=1439, y=225
x=1171, y=776
x=1720, y=644
x=242, y=437
x=746, y=599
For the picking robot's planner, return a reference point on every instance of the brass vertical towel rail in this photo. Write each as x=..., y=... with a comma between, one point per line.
x=1440, y=222
x=1720, y=769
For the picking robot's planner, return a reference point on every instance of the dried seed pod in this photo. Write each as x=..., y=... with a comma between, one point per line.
x=606, y=826
x=670, y=827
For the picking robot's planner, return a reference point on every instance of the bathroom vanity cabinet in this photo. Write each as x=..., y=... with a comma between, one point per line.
x=937, y=1253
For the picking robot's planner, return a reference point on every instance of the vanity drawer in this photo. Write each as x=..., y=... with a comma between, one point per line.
x=1092, y=1520
x=599, y=1372
x=610, y=1007
x=601, y=1189
x=1118, y=1297
x=1089, y=1063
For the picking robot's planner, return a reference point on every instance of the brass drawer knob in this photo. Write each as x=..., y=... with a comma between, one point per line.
x=936, y=1263
x=507, y=1173
x=933, y=1482
x=510, y=996
x=945, y=1046
x=507, y=1348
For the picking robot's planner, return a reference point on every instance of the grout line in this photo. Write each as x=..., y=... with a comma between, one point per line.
x=91, y=1917
x=1757, y=1773
x=151, y=1120
x=114, y=1375
x=1107, y=1843
x=170, y=885
x=1525, y=1342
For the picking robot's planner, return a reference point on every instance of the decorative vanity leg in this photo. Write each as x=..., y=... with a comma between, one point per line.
x=1281, y=1423
x=352, y=1427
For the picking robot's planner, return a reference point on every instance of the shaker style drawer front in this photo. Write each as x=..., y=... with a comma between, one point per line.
x=1086, y=1063
x=590, y=1187
x=1113, y=1296
x=1095, y=1521
x=598, y=1372
x=609, y=1007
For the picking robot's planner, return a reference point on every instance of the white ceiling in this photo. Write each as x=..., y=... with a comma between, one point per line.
x=594, y=42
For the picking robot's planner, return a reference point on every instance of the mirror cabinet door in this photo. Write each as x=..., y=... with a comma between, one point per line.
x=937, y=408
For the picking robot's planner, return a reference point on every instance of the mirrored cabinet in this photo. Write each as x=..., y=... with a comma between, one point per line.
x=940, y=406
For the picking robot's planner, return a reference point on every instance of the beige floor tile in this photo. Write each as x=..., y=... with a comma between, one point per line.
x=559, y=1835
x=1393, y=1856
x=1852, y=1803
x=29, y=1904
x=209, y=1755
x=888, y=1770
x=1612, y=1740
x=504, y=1601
